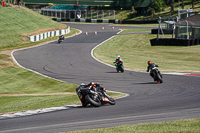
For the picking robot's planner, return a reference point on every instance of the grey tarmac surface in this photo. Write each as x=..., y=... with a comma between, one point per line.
x=177, y=98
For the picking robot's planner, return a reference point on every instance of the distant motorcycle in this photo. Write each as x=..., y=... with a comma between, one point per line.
x=120, y=66
x=60, y=40
x=157, y=75
x=95, y=98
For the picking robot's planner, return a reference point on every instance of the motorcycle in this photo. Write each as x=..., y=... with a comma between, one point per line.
x=157, y=75
x=60, y=40
x=120, y=66
x=93, y=97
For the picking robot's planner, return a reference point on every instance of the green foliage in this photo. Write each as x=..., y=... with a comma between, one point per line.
x=159, y=5
x=151, y=11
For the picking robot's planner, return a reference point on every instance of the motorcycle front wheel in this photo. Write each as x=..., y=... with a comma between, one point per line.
x=122, y=69
x=159, y=78
x=94, y=102
x=111, y=100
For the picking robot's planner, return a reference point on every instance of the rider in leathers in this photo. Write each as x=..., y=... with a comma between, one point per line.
x=92, y=84
x=93, y=87
x=62, y=37
x=117, y=60
x=150, y=67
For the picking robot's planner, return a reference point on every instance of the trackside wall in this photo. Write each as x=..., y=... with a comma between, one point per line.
x=48, y=34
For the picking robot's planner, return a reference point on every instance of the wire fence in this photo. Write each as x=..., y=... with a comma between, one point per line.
x=78, y=14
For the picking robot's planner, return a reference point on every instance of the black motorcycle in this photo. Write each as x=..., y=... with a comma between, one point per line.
x=93, y=97
x=120, y=66
x=157, y=75
x=60, y=39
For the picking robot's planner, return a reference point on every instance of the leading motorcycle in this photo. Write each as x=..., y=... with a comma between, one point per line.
x=95, y=97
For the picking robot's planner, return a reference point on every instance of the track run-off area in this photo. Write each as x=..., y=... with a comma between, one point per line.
x=71, y=61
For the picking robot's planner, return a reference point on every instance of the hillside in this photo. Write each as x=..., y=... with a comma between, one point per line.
x=18, y=23
x=128, y=15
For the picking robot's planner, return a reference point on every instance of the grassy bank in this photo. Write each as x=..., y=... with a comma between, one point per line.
x=17, y=23
x=180, y=126
x=136, y=50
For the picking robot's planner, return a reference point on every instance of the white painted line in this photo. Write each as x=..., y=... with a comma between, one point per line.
x=38, y=111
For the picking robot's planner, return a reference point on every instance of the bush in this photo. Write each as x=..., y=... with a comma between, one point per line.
x=151, y=11
x=159, y=5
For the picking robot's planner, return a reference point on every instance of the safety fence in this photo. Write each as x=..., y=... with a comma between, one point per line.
x=48, y=34
x=78, y=14
x=174, y=42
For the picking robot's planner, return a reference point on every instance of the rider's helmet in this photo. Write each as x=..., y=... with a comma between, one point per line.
x=118, y=57
x=149, y=62
x=82, y=84
x=94, y=84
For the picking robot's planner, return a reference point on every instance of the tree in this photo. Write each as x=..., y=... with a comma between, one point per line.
x=182, y=4
x=159, y=5
x=193, y=3
x=172, y=5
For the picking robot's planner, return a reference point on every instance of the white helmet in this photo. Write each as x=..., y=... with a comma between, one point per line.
x=82, y=84
x=118, y=57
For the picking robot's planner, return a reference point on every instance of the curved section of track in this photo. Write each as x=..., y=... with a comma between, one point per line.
x=177, y=98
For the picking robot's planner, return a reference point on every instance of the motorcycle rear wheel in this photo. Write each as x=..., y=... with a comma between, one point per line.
x=95, y=103
x=122, y=69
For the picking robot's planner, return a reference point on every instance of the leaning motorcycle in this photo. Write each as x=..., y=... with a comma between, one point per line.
x=120, y=66
x=157, y=75
x=60, y=40
x=95, y=98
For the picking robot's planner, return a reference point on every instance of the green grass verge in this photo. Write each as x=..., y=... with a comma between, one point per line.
x=180, y=126
x=20, y=81
x=136, y=50
x=22, y=103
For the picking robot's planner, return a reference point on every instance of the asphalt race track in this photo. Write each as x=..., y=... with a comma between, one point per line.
x=71, y=61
